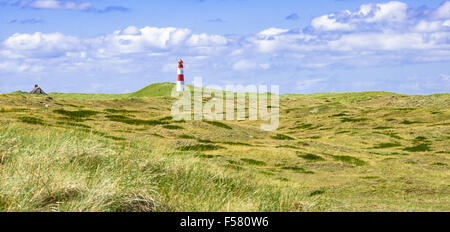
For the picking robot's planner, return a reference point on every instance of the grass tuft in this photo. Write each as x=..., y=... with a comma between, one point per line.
x=117, y=111
x=73, y=124
x=316, y=192
x=282, y=137
x=439, y=164
x=297, y=169
x=418, y=148
x=172, y=127
x=302, y=126
x=382, y=128
x=132, y=121
x=339, y=115
x=204, y=156
x=287, y=146
x=168, y=118
x=134, y=202
x=387, y=145
x=76, y=114
x=235, y=167
x=237, y=144
x=311, y=157
x=219, y=124
x=32, y=120
x=406, y=122
x=184, y=136
x=353, y=119
x=200, y=147
x=349, y=160
x=254, y=162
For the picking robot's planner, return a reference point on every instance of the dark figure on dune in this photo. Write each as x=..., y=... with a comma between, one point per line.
x=37, y=90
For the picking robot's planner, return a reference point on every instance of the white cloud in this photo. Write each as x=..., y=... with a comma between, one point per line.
x=384, y=27
x=45, y=4
x=391, y=12
x=272, y=32
x=329, y=23
x=429, y=26
x=163, y=38
x=443, y=11
x=121, y=47
x=279, y=40
x=369, y=15
x=39, y=45
x=446, y=23
x=133, y=40
x=389, y=41
x=131, y=30
x=55, y=4
x=204, y=40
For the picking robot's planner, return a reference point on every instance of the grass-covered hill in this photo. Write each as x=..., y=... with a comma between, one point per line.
x=155, y=90
x=370, y=151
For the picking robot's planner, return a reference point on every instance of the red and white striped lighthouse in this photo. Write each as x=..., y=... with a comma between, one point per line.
x=180, y=80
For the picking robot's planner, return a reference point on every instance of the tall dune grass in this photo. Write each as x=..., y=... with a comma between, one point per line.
x=48, y=169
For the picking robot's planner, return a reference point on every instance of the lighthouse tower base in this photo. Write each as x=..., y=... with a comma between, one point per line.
x=180, y=86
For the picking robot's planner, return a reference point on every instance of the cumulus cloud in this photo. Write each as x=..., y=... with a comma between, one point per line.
x=272, y=32
x=121, y=47
x=329, y=23
x=379, y=33
x=384, y=12
x=203, y=40
x=369, y=17
x=38, y=45
x=384, y=32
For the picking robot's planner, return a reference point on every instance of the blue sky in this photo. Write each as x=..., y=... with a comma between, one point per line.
x=112, y=46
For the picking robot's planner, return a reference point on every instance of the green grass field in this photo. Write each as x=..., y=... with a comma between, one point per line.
x=370, y=151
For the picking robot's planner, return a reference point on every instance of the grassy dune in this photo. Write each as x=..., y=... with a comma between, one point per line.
x=371, y=151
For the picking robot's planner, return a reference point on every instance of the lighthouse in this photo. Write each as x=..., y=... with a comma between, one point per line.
x=180, y=80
